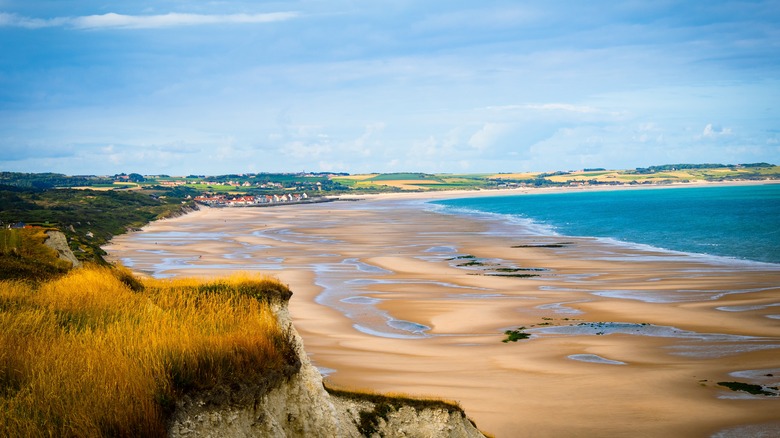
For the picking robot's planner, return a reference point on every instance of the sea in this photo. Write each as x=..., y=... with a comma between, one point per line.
x=740, y=222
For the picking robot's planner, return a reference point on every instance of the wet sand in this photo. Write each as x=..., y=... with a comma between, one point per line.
x=393, y=297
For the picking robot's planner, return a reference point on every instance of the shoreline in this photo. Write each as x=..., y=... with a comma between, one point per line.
x=391, y=256
x=447, y=194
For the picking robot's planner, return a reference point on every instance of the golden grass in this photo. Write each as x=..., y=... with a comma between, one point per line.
x=86, y=355
x=23, y=255
x=29, y=243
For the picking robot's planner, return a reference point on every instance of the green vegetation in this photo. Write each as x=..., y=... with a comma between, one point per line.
x=404, y=177
x=705, y=166
x=472, y=263
x=89, y=218
x=498, y=274
x=515, y=335
x=464, y=257
x=550, y=321
x=545, y=245
x=50, y=180
x=492, y=268
x=23, y=256
x=519, y=269
x=751, y=388
x=394, y=182
x=511, y=275
x=86, y=355
x=216, y=188
x=255, y=184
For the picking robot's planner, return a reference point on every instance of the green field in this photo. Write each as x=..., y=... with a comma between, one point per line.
x=217, y=188
x=403, y=177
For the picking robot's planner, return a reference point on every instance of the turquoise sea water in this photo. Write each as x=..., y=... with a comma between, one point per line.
x=740, y=222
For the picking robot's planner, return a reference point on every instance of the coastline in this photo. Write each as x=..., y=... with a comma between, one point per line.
x=445, y=194
x=377, y=255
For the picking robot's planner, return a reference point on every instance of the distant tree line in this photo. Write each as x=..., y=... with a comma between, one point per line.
x=133, y=177
x=50, y=180
x=684, y=166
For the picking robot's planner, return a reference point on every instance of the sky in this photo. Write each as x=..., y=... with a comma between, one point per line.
x=442, y=86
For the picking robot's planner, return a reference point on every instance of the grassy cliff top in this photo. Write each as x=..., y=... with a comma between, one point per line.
x=99, y=353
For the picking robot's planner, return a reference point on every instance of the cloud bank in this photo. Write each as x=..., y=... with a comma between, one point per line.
x=233, y=86
x=119, y=21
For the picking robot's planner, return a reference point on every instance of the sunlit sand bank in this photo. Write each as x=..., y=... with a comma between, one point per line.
x=392, y=296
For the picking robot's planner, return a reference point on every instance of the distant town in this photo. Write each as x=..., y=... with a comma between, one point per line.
x=257, y=201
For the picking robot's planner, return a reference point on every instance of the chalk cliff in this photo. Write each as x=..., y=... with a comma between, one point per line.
x=59, y=243
x=297, y=405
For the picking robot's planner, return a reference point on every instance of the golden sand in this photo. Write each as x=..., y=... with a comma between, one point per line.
x=361, y=264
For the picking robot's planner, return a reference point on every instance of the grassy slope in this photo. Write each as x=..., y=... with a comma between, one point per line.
x=97, y=353
x=23, y=256
x=89, y=218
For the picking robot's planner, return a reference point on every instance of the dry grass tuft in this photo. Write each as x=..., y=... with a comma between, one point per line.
x=94, y=354
x=23, y=256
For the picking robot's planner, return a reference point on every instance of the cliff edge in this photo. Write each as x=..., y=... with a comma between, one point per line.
x=298, y=405
x=59, y=243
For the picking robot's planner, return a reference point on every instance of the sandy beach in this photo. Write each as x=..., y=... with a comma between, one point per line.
x=394, y=297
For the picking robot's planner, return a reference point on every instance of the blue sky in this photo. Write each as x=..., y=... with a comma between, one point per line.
x=212, y=87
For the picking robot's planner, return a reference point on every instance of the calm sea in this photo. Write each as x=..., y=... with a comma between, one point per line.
x=741, y=222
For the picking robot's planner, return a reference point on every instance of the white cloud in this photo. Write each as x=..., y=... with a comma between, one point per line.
x=112, y=20
x=13, y=20
x=504, y=107
x=711, y=131
x=440, y=148
x=487, y=135
x=119, y=21
x=428, y=147
x=307, y=151
x=363, y=144
x=648, y=132
x=337, y=166
x=547, y=107
x=563, y=107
